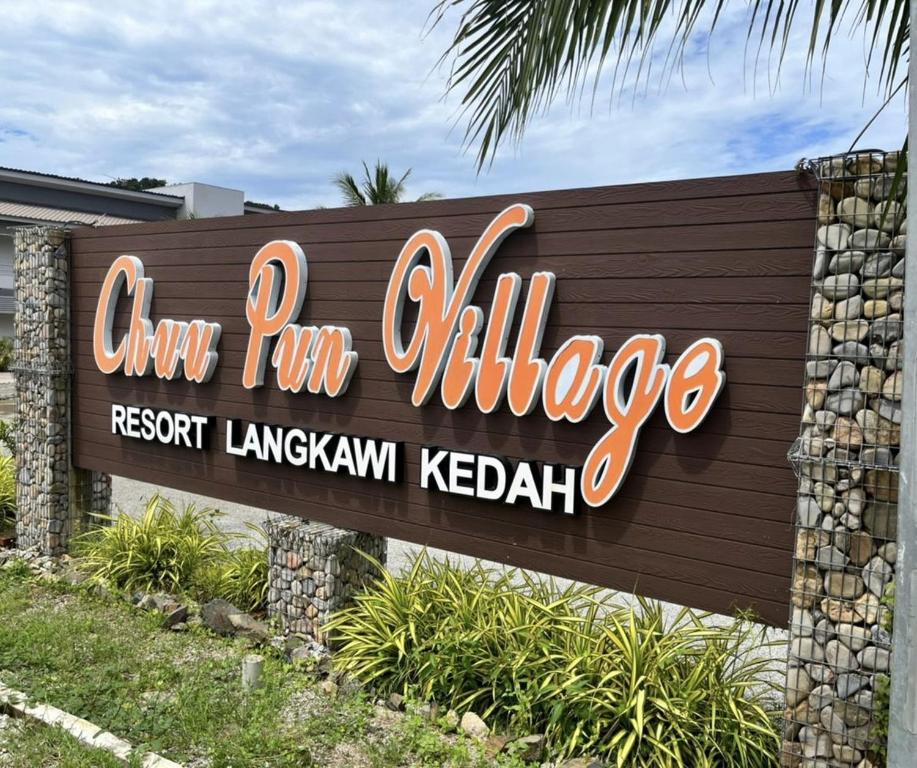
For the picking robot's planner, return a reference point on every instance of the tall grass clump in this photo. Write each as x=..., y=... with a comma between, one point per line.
x=7, y=489
x=171, y=550
x=597, y=678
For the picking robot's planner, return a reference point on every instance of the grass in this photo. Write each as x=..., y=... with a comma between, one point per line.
x=25, y=744
x=179, y=693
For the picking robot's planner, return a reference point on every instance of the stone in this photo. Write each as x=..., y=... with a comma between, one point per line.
x=867, y=239
x=876, y=574
x=893, y=357
x=853, y=636
x=877, y=432
x=824, y=496
x=806, y=649
x=808, y=514
x=885, y=329
x=867, y=607
x=845, y=262
x=877, y=659
x=807, y=586
x=893, y=388
x=840, y=657
x=816, y=392
x=888, y=410
x=878, y=265
x=849, y=683
x=395, y=702
x=839, y=610
x=871, y=380
x=474, y=726
x=898, y=269
x=852, y=350
x=826, y=209
x=889, y=552
x=847, y=433
x=215, y=615
x=824, y=420
x=845, y=402
x=882, y=484
x=820, y=369
x=854, y=500
x=246, y=626
x=877, y=288
x=887, y=216
x=815, y=743
x=835, y=287
x=860, y=548
x=852, y=714
x=844, y=585
x=830, y=558
x=833, y=236
x=528, y=749
x=451, y=720
x=819, y=342
x=834, y=724
x=852, y=330
x=848, y=309
x=822, y=308
x=801, y=622
x=872, y=309
x=855, y=211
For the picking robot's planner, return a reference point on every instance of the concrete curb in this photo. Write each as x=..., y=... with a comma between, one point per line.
x=85, y=732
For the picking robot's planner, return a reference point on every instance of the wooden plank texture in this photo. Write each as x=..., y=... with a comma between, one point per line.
x=703, y=519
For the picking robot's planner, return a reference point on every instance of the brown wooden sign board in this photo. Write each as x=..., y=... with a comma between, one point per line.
x=701, y=518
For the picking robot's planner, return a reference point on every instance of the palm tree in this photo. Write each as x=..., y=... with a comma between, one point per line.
x=376, y=188
x=512, y=57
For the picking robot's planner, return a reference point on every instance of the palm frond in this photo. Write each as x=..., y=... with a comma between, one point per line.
x=349, y=189
x=511, y=58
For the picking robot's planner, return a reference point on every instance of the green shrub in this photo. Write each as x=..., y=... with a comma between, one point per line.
x=163, y=549
x=882, y=693
x=8, y=435
x=239, y=576
x=595, y=677
x=7, y=489
x=6, y=354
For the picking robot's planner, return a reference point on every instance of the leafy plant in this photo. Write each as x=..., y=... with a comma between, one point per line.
x=239, y=576
x=7, y=489
x=881, y=702
x=163, y=549
x=595, y=677
x=512, y=58
x=6, y=353
x=175, y=551
x=8, y=435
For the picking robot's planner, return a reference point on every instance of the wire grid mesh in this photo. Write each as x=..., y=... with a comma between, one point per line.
x=846, y=460
x=54, y=499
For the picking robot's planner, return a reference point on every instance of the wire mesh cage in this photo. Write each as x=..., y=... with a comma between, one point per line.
x=846, y=459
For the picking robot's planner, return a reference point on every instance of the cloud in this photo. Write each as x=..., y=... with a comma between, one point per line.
x=276, y=98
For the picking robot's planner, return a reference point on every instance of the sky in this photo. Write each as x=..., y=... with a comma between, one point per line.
x=276, y=97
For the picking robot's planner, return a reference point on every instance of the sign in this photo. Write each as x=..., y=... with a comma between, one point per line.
x=485, y=375
x=443, y=350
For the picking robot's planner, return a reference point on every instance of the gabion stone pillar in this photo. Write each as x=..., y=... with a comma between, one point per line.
x=52, y=496
x=316, y=569
x=847, y=463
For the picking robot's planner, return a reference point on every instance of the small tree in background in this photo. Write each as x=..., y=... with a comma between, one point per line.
x=138, y=185
x=376, y=188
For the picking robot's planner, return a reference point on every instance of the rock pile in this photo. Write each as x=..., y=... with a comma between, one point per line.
x=847, y=458
x=314, y=570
